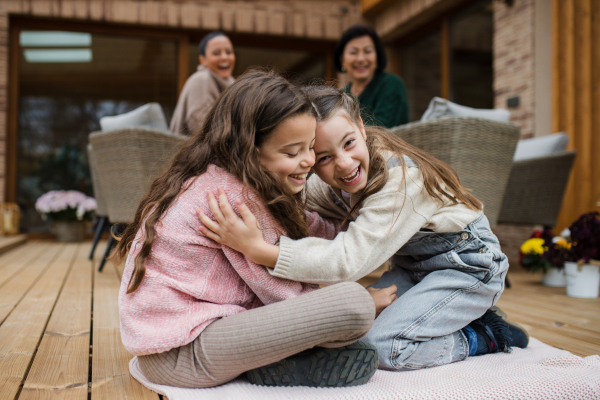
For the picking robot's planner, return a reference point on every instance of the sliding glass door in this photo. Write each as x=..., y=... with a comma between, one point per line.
x=68, y=80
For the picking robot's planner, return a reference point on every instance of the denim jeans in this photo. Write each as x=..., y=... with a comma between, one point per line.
x=445, y=281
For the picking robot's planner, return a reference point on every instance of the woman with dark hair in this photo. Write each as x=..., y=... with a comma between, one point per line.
x=381, y=95
x=204, y=86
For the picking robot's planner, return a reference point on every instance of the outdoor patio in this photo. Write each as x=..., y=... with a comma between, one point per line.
x=59, y=322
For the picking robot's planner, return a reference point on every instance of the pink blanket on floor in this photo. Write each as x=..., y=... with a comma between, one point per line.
x=537, y=372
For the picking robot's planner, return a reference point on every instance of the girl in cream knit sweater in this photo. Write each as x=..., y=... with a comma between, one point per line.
x=404, y=206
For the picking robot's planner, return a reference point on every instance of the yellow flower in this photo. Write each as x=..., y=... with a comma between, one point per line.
x=562, y=242
x=533, y=246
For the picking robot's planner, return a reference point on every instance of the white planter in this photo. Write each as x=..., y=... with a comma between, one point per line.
x=554, y=277
x=582, y=280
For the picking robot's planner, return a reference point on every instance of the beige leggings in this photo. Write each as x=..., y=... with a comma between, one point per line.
x=330, y=317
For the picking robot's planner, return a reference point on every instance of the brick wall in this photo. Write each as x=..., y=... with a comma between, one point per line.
x=324, y=19
x=514, y=45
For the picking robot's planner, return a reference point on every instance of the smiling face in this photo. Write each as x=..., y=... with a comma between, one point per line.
x=342, y=157
x=218, y=56
x=288, y=151
x=360, y=58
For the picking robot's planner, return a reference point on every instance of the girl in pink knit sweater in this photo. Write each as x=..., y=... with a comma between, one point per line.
x=197, y=313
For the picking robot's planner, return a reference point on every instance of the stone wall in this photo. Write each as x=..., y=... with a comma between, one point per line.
x=514, y=61
x=324, y=19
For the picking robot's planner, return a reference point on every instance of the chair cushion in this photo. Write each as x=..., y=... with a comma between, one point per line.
x=541, y=146
x=440, y=108
x=148, y=116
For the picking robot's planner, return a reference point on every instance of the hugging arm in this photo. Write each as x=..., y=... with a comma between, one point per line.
x=243, y=235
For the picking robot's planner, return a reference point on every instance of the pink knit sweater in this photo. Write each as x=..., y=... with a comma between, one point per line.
x=190, y=280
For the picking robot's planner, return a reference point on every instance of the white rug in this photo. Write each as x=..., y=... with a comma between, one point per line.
x=537, y=372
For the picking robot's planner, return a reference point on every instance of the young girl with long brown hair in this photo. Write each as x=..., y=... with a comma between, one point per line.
x=192, y=309
x=406, y=207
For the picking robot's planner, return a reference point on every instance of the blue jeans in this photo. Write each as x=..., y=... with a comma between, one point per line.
x=445, y=281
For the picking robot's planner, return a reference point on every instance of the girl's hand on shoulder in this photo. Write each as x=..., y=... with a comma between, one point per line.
x=383, y=297
x=239, y=234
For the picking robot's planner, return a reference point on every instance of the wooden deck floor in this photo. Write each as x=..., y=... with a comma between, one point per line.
x=59, y=324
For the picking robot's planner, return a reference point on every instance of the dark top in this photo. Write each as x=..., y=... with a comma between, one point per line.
x=384, y=101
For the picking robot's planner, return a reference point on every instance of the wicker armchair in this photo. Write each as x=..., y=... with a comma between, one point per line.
x=536, y=188
x=101, y=209
x=127, y=161
x=480, y=151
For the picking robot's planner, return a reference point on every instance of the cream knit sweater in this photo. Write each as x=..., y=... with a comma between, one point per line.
x=385, y=222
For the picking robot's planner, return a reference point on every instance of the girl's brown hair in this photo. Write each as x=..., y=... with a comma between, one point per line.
x=240, y=121
x=439, y=178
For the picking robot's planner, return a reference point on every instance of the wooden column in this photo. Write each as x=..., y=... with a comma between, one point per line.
x=576, y=100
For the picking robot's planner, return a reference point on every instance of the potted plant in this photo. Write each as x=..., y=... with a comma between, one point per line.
x=583, y=258
x=67, y=210
x=545, y=253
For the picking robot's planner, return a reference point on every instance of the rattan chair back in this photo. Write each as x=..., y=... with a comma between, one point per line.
x=127, y=162
x=536, y=188
x=101, y=209
x=480, y=151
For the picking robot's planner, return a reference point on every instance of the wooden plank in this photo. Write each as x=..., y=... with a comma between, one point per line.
x=8, y=243
x=110, y=361
x=27, y=271
x=543, y=317
x=60, y=368
x=576, y=307
x=8, y=260
x=569, y=331
x=21, y=332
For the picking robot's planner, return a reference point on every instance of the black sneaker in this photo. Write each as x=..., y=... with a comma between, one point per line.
x=498, y=333
x=350, y=365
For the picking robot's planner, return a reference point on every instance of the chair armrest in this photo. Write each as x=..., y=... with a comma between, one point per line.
x=536, y=188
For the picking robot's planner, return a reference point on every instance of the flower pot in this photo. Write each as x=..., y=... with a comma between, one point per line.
x=582, y=280
x=69, y=231
x=554, y=277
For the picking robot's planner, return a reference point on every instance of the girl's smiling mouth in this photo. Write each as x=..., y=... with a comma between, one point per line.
x=299, y=178
x=352, y=178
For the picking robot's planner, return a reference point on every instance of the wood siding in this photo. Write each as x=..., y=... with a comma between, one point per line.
x=576, y=99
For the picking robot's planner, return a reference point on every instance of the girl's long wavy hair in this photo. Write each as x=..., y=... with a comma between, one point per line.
x=240, y=121
x=440, y=180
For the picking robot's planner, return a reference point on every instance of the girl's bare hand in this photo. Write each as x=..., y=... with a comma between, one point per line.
x=240, y=234
x=383, y=297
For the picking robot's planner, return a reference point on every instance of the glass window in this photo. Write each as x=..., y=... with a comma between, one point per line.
x=421, y=70
x=67, y=82
x=471, y=56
